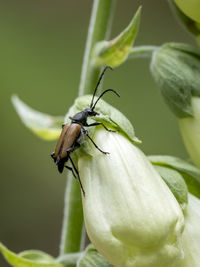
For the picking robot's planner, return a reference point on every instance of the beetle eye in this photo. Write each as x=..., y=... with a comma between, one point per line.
x=93, y=113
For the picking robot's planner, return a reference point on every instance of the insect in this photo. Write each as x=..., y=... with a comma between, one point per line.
x=72, y=132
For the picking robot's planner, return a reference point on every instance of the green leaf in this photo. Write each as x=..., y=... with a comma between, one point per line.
x=115, y=52
x=189, y=172
x=91, y=258
x=176, y=184
x=31, y=258
x=45, y=126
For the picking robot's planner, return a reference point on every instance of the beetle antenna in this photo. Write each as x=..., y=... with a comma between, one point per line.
x=108, y=90
x=99, y=81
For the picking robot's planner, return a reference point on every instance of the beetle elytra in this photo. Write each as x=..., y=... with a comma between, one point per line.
x=72, y=132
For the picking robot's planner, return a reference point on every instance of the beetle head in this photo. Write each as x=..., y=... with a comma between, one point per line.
x=90, y=112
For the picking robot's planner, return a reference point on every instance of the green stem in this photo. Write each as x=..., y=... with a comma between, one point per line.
x=142, y=51
x=98, y=31
x=73, y=215
x=73, y=218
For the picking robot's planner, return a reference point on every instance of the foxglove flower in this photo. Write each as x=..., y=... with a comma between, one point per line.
x=131, y=216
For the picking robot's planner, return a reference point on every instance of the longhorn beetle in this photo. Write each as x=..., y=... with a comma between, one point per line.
x=72, y=132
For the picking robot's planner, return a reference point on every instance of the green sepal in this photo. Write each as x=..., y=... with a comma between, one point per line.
x=115, y=52
x=176, y=69
x=45, y=126
x=91, y=258
x=176, y=184
x=108, y=115
x=188, y=171
x=31, y=258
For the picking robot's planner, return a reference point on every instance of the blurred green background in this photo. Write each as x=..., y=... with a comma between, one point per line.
x=41, y=51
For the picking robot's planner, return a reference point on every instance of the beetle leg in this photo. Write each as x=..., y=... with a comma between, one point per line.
x=86, y=133
x=71, y=169
x=100, y=123
x=77, y=172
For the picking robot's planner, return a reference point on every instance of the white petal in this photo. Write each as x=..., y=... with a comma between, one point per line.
x=191, y=234
x=131, y=216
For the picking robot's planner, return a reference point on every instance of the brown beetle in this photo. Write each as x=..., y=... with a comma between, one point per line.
x=71, y=134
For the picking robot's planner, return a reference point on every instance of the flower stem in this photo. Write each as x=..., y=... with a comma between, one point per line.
x=73, y=215
x=98, y=30
x=73, y=218
x=142, y=51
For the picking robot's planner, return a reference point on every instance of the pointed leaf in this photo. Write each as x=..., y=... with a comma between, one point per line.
x=32, y=258
x=189, y=172
x=43, y=125
x=115, y=52
x=91, y=258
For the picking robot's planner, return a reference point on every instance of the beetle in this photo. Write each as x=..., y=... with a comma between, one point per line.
x=72, y=132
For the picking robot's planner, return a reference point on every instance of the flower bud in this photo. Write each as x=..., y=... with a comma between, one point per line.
x=191, y=234
x=190, y=130
x=131, y=216
x=176, y=69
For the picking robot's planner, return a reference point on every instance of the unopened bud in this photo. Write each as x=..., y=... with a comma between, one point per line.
x=176, y=69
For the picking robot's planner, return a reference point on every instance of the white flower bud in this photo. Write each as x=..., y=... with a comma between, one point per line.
x=191, y=234
x=190, y=130
x=131, y=216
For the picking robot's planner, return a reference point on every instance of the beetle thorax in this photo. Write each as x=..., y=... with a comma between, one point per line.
x=81, y=117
